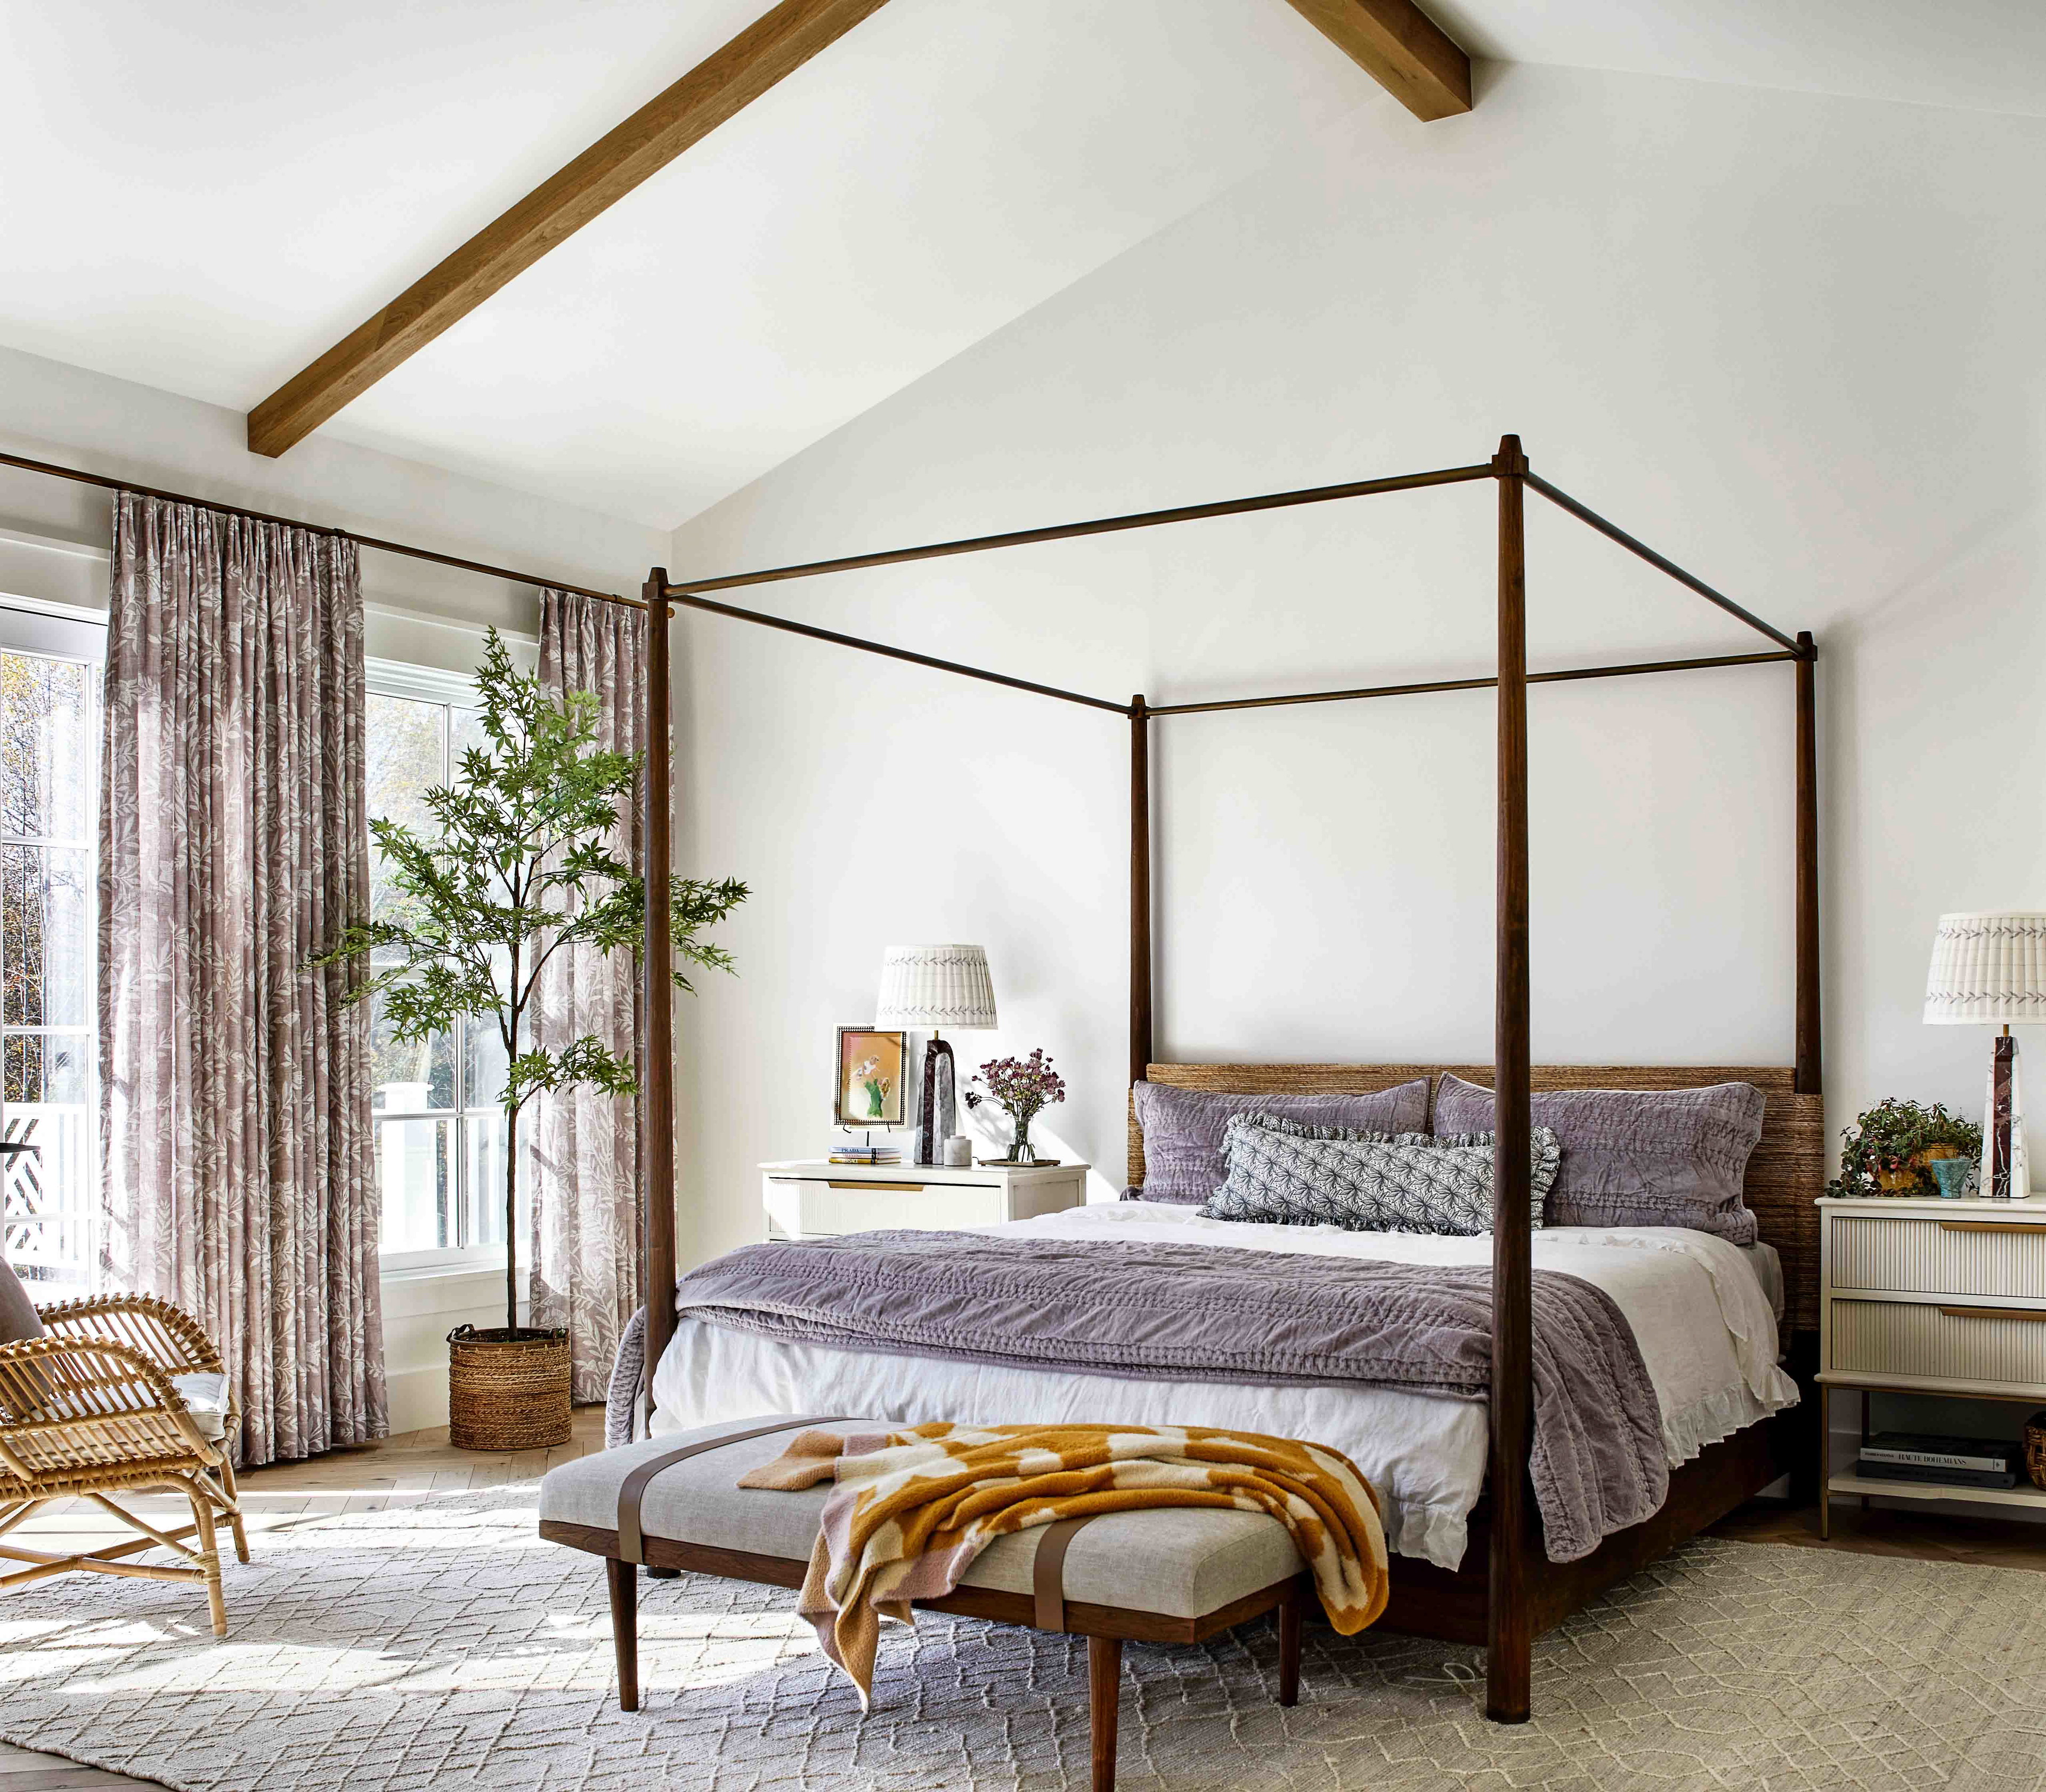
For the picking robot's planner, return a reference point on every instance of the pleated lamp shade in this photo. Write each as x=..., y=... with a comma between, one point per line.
x=1988, y=968
x=928, y=986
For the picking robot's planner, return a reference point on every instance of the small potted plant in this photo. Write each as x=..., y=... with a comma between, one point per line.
x=1888, y=1148
x=1025, y=1087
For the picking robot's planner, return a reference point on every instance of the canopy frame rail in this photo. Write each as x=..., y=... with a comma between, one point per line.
x=1516, y=1539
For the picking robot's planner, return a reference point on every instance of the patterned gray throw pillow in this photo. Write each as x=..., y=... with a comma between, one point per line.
x=1412, y=1183
x=1638, y=1157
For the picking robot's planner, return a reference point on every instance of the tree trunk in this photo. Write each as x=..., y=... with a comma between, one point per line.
x=511, y=1221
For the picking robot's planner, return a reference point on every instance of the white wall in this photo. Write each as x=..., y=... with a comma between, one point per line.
x=1792, y=340
x=53, y=540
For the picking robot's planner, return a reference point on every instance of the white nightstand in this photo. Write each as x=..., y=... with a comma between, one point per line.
x=814, y=1199
x=1932, y=1297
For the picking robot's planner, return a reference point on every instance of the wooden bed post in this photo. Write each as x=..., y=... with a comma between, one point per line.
x=1808, y=1059
x=657, y=1094
x=1509, y=1635
x=1140, y=888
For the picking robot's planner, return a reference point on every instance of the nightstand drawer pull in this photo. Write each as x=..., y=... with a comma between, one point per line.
x=886, y=1187
x=2036, y=1315
x=1990, y=1225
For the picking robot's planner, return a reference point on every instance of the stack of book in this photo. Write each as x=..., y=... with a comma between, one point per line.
x=1952, y=1461
x=866, y=1154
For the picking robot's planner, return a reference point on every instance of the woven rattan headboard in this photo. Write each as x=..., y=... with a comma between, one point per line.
x=1786, y=1175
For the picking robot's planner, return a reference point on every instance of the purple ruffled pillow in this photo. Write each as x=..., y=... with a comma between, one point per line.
x=1182, y=1129
x=1637, y=1156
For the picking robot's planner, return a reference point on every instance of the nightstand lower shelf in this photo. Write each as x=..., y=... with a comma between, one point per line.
x=1865, y=1486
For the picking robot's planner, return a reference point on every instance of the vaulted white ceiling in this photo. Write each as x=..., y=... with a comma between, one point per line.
x=203, y=198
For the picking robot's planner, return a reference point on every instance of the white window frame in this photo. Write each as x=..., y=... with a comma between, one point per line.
x=54, y=630
x=427, y=684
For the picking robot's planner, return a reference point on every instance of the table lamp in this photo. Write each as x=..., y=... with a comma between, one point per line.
x=1989, y=968
x=934, y=987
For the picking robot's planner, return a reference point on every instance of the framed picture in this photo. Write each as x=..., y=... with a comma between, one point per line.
x=873, y=1085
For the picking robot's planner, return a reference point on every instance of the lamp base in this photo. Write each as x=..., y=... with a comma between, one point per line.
x=938, y=1115
x=2005, y=1174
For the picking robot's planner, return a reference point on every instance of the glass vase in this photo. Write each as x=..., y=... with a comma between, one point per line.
x=1022, y=1151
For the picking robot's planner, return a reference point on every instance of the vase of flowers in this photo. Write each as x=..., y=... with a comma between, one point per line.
x=1024, y=1087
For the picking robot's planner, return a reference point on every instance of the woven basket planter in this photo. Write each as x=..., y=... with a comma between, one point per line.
x=508, y=1390
x=2035, y=1450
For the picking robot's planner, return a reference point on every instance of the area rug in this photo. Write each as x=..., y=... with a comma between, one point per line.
x=444, y=1646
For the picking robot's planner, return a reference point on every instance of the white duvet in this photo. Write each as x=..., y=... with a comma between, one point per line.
x=1698, y=1307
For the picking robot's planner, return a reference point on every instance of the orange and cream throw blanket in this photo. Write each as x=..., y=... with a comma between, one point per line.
x=913, y=1507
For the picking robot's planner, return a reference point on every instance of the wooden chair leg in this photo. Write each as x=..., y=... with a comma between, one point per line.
x=234, y=1514
x=624, y=1578
x=1290, y=1614
x=208, y=1550
x=1104, y=1705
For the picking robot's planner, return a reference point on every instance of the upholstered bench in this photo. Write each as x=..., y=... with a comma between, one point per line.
x=1173, y=1575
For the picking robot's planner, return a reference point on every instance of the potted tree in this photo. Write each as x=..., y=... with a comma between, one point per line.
x=522, y=868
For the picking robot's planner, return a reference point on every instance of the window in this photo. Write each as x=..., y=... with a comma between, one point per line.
x=439, y=1131
x=50, y=675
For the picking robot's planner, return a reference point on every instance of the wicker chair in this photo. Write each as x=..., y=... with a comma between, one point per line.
x=125, y=1395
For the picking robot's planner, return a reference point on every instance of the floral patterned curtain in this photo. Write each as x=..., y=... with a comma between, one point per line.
x=584, y=1168
x=232, y=846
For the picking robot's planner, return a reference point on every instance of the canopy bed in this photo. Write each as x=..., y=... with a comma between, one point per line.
x=1515, y=1592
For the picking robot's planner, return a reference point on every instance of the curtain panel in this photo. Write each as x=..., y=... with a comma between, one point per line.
x=234, y=844
x=583, y=1162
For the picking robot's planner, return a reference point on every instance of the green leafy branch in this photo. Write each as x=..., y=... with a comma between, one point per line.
x=519, y=868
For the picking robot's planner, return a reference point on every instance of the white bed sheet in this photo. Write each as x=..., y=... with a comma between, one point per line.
x=1698, y=1306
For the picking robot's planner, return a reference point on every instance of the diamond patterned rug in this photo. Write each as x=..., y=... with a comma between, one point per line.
x=443, y=1645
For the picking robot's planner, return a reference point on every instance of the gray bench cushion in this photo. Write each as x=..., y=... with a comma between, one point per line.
x=1183, y=1563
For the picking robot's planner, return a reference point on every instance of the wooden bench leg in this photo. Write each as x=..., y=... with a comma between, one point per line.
x=1104, y=1705
x=1289, y=1645
x=624, y=1578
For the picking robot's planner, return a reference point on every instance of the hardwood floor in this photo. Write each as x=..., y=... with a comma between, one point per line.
x=423, y=1466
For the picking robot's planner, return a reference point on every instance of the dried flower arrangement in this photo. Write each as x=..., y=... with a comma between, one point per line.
x=1888, y=1148
x=1024, y=1086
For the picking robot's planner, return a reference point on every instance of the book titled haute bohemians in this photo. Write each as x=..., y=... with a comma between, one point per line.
x=1922, y=1456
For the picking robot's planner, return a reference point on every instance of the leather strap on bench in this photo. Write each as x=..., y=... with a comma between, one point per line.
x=1048, y=1571
x=631, y=1546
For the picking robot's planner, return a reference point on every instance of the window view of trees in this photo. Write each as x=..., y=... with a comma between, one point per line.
x=49, y=733
x=439, y=1132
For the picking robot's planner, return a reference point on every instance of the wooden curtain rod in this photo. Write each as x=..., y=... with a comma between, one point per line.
x=1468, y=684
x=22, y=462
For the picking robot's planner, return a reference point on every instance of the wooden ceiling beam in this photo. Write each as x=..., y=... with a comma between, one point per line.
x=775, y=45
x=1400, y=47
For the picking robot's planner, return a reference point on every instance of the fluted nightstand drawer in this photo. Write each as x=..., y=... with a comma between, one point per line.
x=808, y=1199
x=804, y=1209
x=1925, y=1341
x=1917, y=1255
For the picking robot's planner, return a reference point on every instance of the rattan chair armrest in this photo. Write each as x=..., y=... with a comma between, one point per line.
x=47, y=1382
x=171, y=1337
